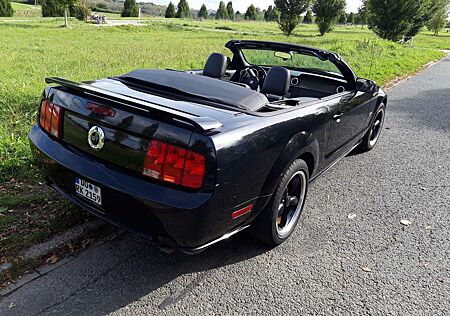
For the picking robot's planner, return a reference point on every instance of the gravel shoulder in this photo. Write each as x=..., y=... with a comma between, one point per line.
x=373, y=239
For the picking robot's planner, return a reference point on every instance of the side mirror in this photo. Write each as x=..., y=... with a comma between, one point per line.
x=365, y=85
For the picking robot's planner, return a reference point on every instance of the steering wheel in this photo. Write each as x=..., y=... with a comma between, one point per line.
x=253, y=76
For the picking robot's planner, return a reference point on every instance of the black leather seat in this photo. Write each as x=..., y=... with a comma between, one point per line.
x=277, y=83
x=216, y=66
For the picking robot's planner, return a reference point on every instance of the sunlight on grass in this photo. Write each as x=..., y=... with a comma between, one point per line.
x=34, y=50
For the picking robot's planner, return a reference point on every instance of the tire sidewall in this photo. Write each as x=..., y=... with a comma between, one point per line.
x=367, y=144
x=294, y=167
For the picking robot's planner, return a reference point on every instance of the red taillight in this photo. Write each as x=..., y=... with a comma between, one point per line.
x=174, y=164
x=154, y=160
x=50, y=118
x=194, y=170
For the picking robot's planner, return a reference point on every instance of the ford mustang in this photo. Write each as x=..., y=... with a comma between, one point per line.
x=189, y=158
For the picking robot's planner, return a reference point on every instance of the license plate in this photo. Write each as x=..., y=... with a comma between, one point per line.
x=88, y=190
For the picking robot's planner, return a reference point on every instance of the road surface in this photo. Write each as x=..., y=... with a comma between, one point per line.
x=334, y=264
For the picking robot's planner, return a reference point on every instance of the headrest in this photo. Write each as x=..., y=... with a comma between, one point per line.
x=277, y=82
x=216, y=66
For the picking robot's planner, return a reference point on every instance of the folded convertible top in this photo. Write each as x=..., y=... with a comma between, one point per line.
x=204, y=87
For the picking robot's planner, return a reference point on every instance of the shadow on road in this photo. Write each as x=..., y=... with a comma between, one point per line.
x=113, y=275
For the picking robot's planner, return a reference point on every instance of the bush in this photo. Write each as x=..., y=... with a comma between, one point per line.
x=79, y=10
x=52, y=8
x=130, y=9
x=6, y=8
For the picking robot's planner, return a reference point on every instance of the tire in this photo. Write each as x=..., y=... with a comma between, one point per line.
x=373, y=134
x=278, y=220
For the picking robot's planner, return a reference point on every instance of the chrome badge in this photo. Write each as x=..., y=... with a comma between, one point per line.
x=96, y=138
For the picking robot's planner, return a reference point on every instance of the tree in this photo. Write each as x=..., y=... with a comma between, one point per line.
x=327, y=13
x=251, y=13
x=52, y=8
x=362, y=14
x=308, y=17
x=230, y=10
x=183, y=11
x=203, y=13
x=351, y=18
x=425, y=10
x=439, y=19
x=407, y=17
x=170, y=12
x=6, y=8
x=79, y=9
x=342, y=18
x=222, y=13
x=290, y=14
x=271, y=14
x=130, y=9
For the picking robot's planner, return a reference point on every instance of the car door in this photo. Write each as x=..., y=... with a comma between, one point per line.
x=348, y=117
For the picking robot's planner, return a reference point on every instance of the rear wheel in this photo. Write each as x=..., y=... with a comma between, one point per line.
x=277, y=222
x=373, y=134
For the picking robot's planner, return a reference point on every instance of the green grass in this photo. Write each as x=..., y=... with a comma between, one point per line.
x=22, y=10
x=34, y=50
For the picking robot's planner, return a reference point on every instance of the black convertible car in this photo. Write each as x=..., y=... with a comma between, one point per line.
x=190, y=158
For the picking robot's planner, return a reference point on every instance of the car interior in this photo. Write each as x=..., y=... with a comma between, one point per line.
x=245, y=84
x=283, y=87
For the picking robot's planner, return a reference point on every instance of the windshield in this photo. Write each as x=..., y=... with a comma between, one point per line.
x=292, y=60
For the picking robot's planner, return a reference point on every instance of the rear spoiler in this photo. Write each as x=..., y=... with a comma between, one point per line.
x=201, y=123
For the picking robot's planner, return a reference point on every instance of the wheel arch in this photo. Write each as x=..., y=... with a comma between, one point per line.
x=301, y=146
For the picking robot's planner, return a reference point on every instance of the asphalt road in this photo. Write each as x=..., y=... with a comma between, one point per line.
x=332, y=265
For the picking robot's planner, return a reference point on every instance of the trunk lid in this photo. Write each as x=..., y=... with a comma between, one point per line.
x=129, y=127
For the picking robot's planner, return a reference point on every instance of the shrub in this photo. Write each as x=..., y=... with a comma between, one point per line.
x=52, y=8
x=130, y=9
x=79, y=10
x=6, y=8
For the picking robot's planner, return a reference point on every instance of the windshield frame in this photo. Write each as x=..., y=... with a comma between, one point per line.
x=319, y=71
x=238, y=61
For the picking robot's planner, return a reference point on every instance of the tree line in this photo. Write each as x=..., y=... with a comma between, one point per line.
x=389, y=19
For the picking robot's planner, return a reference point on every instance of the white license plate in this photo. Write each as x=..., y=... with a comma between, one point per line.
x=88, y=190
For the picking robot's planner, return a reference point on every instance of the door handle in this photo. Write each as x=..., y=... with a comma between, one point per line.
x=337, y=116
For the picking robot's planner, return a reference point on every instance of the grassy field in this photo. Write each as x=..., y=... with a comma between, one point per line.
x=22, y=10
x=38, y=48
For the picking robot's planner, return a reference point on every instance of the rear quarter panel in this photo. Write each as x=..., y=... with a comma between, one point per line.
x=254, y=153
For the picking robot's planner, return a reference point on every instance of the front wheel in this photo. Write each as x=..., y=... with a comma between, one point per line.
x=277, y=222
x=373, y=134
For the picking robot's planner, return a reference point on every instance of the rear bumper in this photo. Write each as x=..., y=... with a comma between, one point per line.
x=184, y=220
